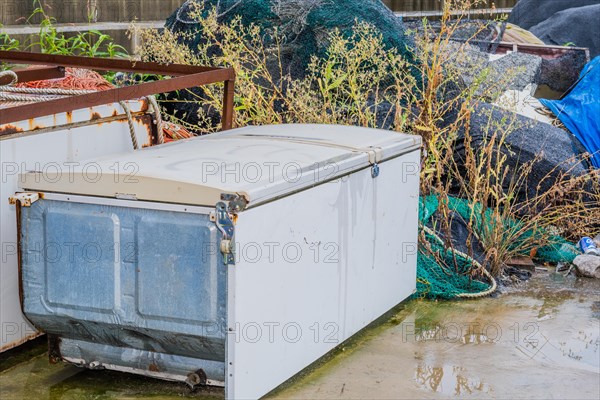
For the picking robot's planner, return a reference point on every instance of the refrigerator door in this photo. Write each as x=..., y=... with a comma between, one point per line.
x=259, y=164
x=125, y=285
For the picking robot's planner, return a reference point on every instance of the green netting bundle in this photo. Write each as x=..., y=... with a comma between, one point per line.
x=445, y=273
x=305, y=24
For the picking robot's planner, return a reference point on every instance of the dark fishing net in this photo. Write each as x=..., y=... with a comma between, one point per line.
x=443, y=273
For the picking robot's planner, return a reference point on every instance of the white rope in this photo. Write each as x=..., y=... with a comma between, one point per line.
x=14, y=94
x=8, y=92
x=178, y=17
x=127, y=110
x=485, y=272
x=13, y=75
x=51, y=91
x=158, y=121
x=27, y=99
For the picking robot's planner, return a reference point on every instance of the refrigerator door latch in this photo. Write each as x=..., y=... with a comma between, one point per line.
x=375, y=170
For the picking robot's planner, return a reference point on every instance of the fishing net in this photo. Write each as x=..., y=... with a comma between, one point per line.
x=75, y=79
x=444, y=273
x=305, y=25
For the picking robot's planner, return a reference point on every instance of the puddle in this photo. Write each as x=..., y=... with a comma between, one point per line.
x=38, y=379
x=540, y=340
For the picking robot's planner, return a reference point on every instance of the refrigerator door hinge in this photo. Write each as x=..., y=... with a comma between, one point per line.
x=236, y=202
x=25, y=199
x=225, y=224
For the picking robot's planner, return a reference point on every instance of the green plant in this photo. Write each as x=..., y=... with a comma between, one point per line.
x=91, y=43
x=49, y=40
x=359, y=82
x=7, y=43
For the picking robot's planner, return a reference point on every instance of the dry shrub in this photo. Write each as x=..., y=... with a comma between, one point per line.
x=359, y=82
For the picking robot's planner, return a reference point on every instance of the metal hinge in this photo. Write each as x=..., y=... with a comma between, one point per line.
x=226, y=211
x=25, y=199
x=236, y=202
x=225, y=225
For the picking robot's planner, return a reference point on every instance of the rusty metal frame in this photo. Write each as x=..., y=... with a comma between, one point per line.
x=182, y=77
x=37, y=73
x=542, y=50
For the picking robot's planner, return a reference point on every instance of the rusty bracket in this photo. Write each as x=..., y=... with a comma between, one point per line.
x=182, y=77
x=24, y=199
x=37, y=73
x=236, y=202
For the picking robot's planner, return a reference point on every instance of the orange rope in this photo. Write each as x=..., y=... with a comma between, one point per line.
x=83, y=79
x=75, y=78
x=175, y=132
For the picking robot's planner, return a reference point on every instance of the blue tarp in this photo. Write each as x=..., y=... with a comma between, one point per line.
x=579, y=111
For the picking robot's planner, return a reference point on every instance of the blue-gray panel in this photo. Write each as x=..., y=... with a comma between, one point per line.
x=132, y=278
x=171, y=266
x=82, y=246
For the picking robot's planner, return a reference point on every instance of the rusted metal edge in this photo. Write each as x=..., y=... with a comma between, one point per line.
x=36, y=74
x=138, y=116
x=21, y=341
x=439, y=14
x=536, y=49
x=102, y=64
x=184, y=77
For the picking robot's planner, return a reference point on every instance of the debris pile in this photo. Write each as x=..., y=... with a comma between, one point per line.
x=304, y=24
x=556, y=151
x=579, y=110
x=561, y=22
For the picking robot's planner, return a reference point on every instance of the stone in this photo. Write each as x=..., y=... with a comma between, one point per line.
x=528, y=13
x=553, y=150
x=574, y=26
x=588, y=266
x=514, y=71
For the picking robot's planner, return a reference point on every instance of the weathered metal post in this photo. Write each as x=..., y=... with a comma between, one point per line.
x=228, y=95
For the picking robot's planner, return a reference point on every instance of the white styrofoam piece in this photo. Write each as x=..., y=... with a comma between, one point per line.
x=523, y=103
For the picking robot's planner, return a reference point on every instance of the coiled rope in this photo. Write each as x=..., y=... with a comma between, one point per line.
x=127, y=110
x=485, y=293
x=8, y=92
x=158, y=121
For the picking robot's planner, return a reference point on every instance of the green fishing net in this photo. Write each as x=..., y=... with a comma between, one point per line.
x=445, y=274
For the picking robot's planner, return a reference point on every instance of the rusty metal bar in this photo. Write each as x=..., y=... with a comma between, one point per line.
x=439, y=14
x=228, y=92
x=36, y=74
x=186, y=76
x=101, y=64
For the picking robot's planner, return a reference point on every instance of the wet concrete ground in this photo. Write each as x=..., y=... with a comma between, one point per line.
x=540, y=340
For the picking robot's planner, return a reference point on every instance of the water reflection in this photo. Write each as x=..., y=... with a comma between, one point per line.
x=449, y=380
x=505, y=346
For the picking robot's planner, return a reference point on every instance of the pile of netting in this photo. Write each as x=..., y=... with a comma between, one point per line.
x=304, y=24
x=75, y=79
x=447, y=273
